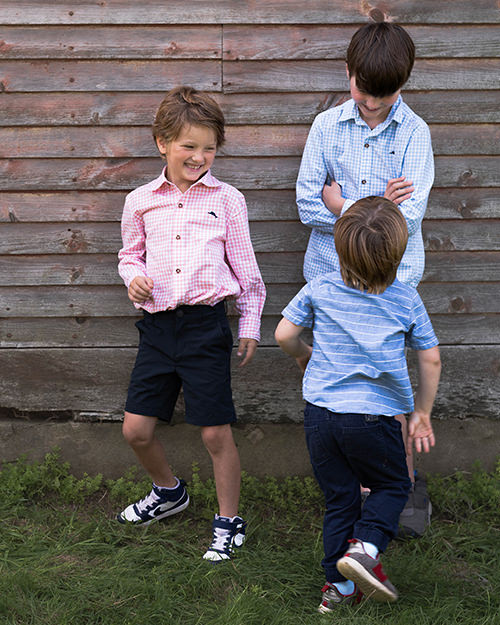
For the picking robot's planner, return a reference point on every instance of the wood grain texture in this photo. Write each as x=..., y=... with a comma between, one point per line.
x=243, y=172
x=279, y=236
x=246, y=12
x=248, y=140
x=276, y=268
x=108, y=75
x=99, y=332
x=436, y=74
x=79, y=87
x=110, y=300
x=104, y=42
x=97, y=379
x=137, y=109
x=263, y=205
x=305, y=42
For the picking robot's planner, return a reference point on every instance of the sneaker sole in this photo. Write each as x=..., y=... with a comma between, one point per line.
x=160, y=517
x=369, y=585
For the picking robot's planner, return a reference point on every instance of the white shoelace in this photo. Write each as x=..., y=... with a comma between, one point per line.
x=221, y=538
x=148, y=502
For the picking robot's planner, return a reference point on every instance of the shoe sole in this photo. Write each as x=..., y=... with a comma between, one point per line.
x=160, y=517
x=369, y=585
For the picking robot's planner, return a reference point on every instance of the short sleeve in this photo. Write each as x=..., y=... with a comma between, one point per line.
x=300, y=310
x=420, y=333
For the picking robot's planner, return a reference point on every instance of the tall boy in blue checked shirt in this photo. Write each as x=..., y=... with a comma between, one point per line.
x=373, y=144
x=355, y=382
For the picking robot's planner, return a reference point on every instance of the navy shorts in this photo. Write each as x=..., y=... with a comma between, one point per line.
x=189, y=347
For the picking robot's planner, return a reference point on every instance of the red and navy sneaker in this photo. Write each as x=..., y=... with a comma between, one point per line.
x=159, y=504
x=367, y=573
x=332, y=597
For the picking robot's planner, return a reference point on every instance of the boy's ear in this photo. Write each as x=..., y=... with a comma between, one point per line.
x=347, y=72
x=162, y=145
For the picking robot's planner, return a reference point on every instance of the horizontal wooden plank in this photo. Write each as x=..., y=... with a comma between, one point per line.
x=461, y=266
x=330, y=42
x=440, y=236
x=436, y=74
x=110, y=300
x=268, y=389
x=121, y=332
x=263, y=205
x=279, y=236
x=239, y=76
x=98, y=269
x=276, y=268
x=244, y=173
x=108, y=75
x=137, y=109
x=245, y=11
x=250, y=140
x=103, y=238
x=103, y=42
x=108, y=205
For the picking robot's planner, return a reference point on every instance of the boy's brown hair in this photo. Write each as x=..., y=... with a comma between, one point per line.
x=185, y=106
x=380, y=56
x=370, y=239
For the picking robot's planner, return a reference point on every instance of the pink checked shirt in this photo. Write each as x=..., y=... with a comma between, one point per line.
x=195, y=246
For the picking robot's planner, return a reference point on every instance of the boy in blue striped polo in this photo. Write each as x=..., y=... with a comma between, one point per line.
x=355, y=382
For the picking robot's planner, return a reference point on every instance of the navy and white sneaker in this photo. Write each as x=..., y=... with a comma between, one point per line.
x=159, y=504
x=228, y=534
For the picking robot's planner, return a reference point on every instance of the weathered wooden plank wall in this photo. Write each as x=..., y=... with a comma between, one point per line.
x=79, y=85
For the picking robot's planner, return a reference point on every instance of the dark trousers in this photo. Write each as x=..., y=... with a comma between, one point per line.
x=347, y=450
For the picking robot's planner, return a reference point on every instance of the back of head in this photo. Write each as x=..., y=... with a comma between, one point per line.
x=380, y=56
x=185, y=106
x=370, y=239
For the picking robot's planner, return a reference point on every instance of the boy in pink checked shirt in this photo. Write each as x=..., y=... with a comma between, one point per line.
x=186, y=248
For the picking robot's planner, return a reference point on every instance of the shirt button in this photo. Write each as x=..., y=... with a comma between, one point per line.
x=367, y=145
x=178, y=237
x=363, y=182
x=179, y=204
x=177, y=271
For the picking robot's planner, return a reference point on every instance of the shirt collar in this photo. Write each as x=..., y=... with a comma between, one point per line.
x=207, y=179
x=351, y=111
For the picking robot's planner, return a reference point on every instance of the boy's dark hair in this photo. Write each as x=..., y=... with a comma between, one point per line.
x=185, y=106
x=380, y=56
x=370, y=239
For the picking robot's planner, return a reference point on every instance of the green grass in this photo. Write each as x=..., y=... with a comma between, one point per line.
x=65, y=560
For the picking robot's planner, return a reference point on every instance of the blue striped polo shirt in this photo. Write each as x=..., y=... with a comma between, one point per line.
x=358, y=362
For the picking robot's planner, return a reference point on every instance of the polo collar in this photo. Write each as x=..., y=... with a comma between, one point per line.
x=207, y=179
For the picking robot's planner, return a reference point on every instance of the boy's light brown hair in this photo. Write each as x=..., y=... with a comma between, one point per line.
x=370, y=239
x=380, y=56
x=185, y=106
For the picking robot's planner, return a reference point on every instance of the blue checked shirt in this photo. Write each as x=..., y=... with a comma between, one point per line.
x=342, y=147
x=358, y=362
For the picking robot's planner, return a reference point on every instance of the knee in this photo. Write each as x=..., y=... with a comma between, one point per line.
x=135, y=435
x=216, y=438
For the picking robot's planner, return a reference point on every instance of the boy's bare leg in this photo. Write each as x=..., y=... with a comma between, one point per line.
x=138, y=431
x=409, y=450
x=218, y=440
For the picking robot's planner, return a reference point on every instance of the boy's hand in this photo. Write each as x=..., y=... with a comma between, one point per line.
x=303, y=360
x=247, y=349
x=398, y=190
x=140, y=289
x=332, y=197
x=420, y=431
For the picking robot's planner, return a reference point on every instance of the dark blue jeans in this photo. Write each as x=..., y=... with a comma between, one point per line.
x=347, y=450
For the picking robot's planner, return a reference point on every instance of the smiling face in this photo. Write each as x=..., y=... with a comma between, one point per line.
x=373, y=110
x=189, y=156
